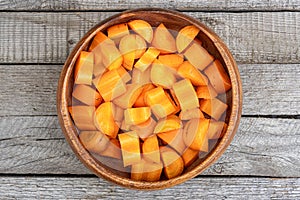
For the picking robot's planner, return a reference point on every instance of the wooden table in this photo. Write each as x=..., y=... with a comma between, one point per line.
x=263, y=160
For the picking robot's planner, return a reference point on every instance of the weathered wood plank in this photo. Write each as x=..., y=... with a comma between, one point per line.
x=197, y=188
x=262, y=147
x=268, y=89
x=253, y=37
x=196, y=5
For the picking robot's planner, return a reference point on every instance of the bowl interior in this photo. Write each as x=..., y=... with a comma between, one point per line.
x=175, y=21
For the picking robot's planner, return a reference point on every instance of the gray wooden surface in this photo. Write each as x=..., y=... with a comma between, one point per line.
x=263, y=161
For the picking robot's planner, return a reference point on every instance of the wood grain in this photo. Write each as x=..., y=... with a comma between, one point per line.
x=197, y=188
x=269, y=89
x=48, y=37
x=196, y=5
x=261, y=147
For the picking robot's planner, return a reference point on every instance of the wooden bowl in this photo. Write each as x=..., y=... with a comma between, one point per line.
x=173, y=20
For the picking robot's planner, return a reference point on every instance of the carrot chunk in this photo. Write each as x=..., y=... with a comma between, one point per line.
x=130, y=148
x=84, y=68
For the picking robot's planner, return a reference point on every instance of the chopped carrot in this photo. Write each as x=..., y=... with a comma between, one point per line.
x=163, y=40
x=218, y=77
x=188, y=71
x=94, y=141
x=99, y=39
x=140, y=100
x=117, y=31
x=162, y=75
x=174, y=139
x=190, y=114
x=113, y=149
x=130, y=148
x=141, y=77
x=206, y=92
x=151, y=149
x=145, y=129
x=112, y=58
x=84, y=68
x=173, y=163
x=213, y=107
x=146, y=171
x=147, y=58
x=171, y=60
x=118, y=114
x=83, y=117
x=104, y=120
x=215, y=129
x=185, y=36
x=134, y=116
x=127, y=99
x=171, y=122
x=124, y=74
x=186, y=95
x=87, y=95
x=189, y=156
x=142, y=28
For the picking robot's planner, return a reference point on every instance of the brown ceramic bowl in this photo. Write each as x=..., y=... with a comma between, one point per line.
x=176, y=21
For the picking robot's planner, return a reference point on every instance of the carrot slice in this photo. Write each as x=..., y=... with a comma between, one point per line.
x=215, y=129
x=112, y=58
x=110, y=85
x=213, y=107
x=117, y=31
x=218, y=77
x=151, y=149
x=160, y=104
x=186, y=95
x=142, y=28
x=206, y=92
x=194, y=134
x=163, y=40
x=130, y=148
x=127, y=99
x=185, y=36
x=140, y=100
x=94, y=141
x=118, y=114
x=83, y=117
x=171, y=60
x=146, y=171
x=147, y=58
x=174, y=139
x=187, y=70
x=104, y=120
x=84, y=68
x=99, y=39
x=113, y=149
x=144, y=129
x=87, y=95
x=198, y=56
x=141, y=77
x=173, y=163
x=162, y=75
x=190, y=114
x=124, y=74
x=189, y=156
x=134, y=116
x=172, y=122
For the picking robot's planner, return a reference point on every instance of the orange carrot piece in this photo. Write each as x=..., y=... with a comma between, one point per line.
x=188, y=71
x=190, y=114
x=206, y=92
x=134, y=116
x=140, y=100
x=130, y=148
x=171, y=60
x=145, y=129
x=189, y=156
x=113, y=149
x=171, y=122
x=173, y=163
x=162, y=75
x=163, y=40
x=147, y=58
x=146, y=171
x=87, y=95
x=185, y=36
x=83, y=117
x=94, y=141
x=150, y=149
x=99, y=39
x=213, y=107
x=127, y=99
x=174, y=139
x=84, y=68
x=142, y=28
x=117, y=31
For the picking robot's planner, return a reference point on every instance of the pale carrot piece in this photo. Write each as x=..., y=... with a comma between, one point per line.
x=194, y=134
x=87, y=95
x=185, y=36
x=186, y=95
x=146, y=171
x=134, y=116
x=104, y=120
x=162, y=75
x=124, y=74
x=218, y=77
x=112, y=58
x=83, y=117
x=215, y=129
x=99, y=67
x=125, y=127
x=206, y=92
x=99, y=39
x=171, y=60
x=117, y=31
x=110, y=85
x=150, y=149
x=163, y=40
x=190, y=114
x=140, y=100
x=174, y=139
x=130, y=148
x=94, y=141
x=131, y=47
x=141, y=77
x=213, y=107
x=127, y=99
x=118, y=114
x=173, y=163
x=160, y=104
x=147, y=58
x=142, y=28
x=113, y=149
x=189, y=156
x=188, y=71
x=84, y=68
x=144, y=129
x=198, y=56
x=171, y=122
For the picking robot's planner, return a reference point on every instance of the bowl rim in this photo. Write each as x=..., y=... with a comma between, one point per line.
x=84, y=156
